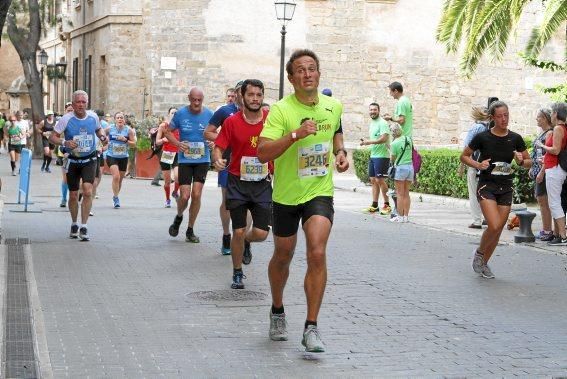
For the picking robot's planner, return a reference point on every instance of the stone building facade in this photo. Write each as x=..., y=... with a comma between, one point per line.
x=142, y=56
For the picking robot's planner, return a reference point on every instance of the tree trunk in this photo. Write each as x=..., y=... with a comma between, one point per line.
x=26, y=42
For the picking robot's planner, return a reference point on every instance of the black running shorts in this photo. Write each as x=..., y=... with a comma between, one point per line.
x=78, y=171
x=286, y=217
x=190, y=172
x=122, y=163
x=501, y=193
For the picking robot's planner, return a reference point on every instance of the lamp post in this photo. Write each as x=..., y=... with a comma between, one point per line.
x=42, y=57
x=284, y=13
x=60, y=69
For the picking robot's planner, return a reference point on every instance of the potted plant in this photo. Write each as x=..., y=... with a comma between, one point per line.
x=143, y=164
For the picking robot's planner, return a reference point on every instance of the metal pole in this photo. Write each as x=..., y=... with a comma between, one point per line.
x=282, y=53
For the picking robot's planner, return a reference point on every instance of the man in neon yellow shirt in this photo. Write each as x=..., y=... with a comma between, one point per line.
x=303, y=136
x=379, y=142
x=403, y=114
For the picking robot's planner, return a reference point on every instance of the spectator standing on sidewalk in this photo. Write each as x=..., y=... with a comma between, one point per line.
x=401, y=158
x=537, y=173
x=403, y=114
x=379, y=142
x=481, y=124
x=194, y=159
x=498, y=147
x=554, y=174
x=301, y=132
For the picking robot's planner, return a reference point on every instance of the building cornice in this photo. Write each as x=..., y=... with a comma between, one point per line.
x=103, y=21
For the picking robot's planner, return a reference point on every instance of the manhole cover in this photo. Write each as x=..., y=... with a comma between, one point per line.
x=227, y=295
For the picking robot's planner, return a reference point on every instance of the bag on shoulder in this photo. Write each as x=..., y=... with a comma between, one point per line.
x=415, y=160
x=153, y=145
x=392, y=172
x=562, y=158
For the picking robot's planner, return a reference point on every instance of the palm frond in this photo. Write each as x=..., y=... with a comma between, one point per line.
x=554, y=15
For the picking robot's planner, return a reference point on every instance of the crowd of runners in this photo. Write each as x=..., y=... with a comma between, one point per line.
x=276, y=168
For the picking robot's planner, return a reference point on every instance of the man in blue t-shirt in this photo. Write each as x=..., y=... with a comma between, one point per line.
x=77, y=132
x=194, y=159
x=211, y=134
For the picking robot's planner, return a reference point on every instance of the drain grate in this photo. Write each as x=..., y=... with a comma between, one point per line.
x=18, y=333
x=227, y=295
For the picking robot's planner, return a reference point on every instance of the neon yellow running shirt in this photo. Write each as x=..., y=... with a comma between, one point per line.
x=305, y=169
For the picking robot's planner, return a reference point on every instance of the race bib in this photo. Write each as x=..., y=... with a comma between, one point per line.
x=252, y=170
x=196, y=150
x=85, y=143
x=167, y=157
x=502, y=168
x=120, y=149
x=313, y=160
x=15, y=139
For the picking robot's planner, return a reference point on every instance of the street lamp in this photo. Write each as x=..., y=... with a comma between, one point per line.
x=42, y=57
x=60, y=69
x=284, y=13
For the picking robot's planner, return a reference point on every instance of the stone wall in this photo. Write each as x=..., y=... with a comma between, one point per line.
x=10, y=69
x=363, y=46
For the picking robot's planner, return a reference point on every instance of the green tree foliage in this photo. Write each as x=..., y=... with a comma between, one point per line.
x=485, y=26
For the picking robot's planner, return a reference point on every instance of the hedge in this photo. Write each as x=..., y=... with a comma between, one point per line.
x=439, y=174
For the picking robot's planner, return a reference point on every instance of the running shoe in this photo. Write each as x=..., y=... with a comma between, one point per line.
x=370, y=209
x=174, y=228
x=48, y=170
x=478, y=262
x=84, y=234
x=225, y=248
x=175, y=195
x=116, y=201
x=542, y=235
x=191, y=237
x=247, y=255
x=13, y=173
x=312, y=340
x=168, y=203
x=91, y=213
x=278, y=327
x=237, y=281
x=558, y=241
x=74, y=231
x=486, y=272
x=42, y=168
x=386, y=210
x=63, y=203
x=398, y=219
x=547, y=237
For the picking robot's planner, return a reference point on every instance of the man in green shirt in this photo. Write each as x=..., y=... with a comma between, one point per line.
x=403, y=114
x=303, y=136
x=379, y=140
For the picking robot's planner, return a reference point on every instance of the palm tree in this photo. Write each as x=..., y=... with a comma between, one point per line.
x=484, y=26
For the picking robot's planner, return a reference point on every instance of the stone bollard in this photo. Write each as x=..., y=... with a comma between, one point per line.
x=525, y=233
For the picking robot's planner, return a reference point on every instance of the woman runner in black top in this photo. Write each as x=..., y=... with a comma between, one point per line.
x=498, y=147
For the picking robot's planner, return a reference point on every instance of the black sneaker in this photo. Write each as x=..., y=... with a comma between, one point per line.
x=558, y=241
x=191, y=237
x=84, y=234
x=237, y=281
x=247, y=256
x=74, y=231
x=547, y=237
x=225, y=249
x=174, y=228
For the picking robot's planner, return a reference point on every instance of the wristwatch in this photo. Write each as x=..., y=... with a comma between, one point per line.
x=294, y=136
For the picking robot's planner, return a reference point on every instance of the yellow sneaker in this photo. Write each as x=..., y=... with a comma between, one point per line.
x=386, y=210
x=370, y=209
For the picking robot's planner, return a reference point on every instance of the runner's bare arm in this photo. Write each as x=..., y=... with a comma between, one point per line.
x=341, y=160
x=211, y=133
x=218, y=162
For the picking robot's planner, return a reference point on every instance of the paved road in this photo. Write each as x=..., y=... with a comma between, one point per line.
x=401, y=299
